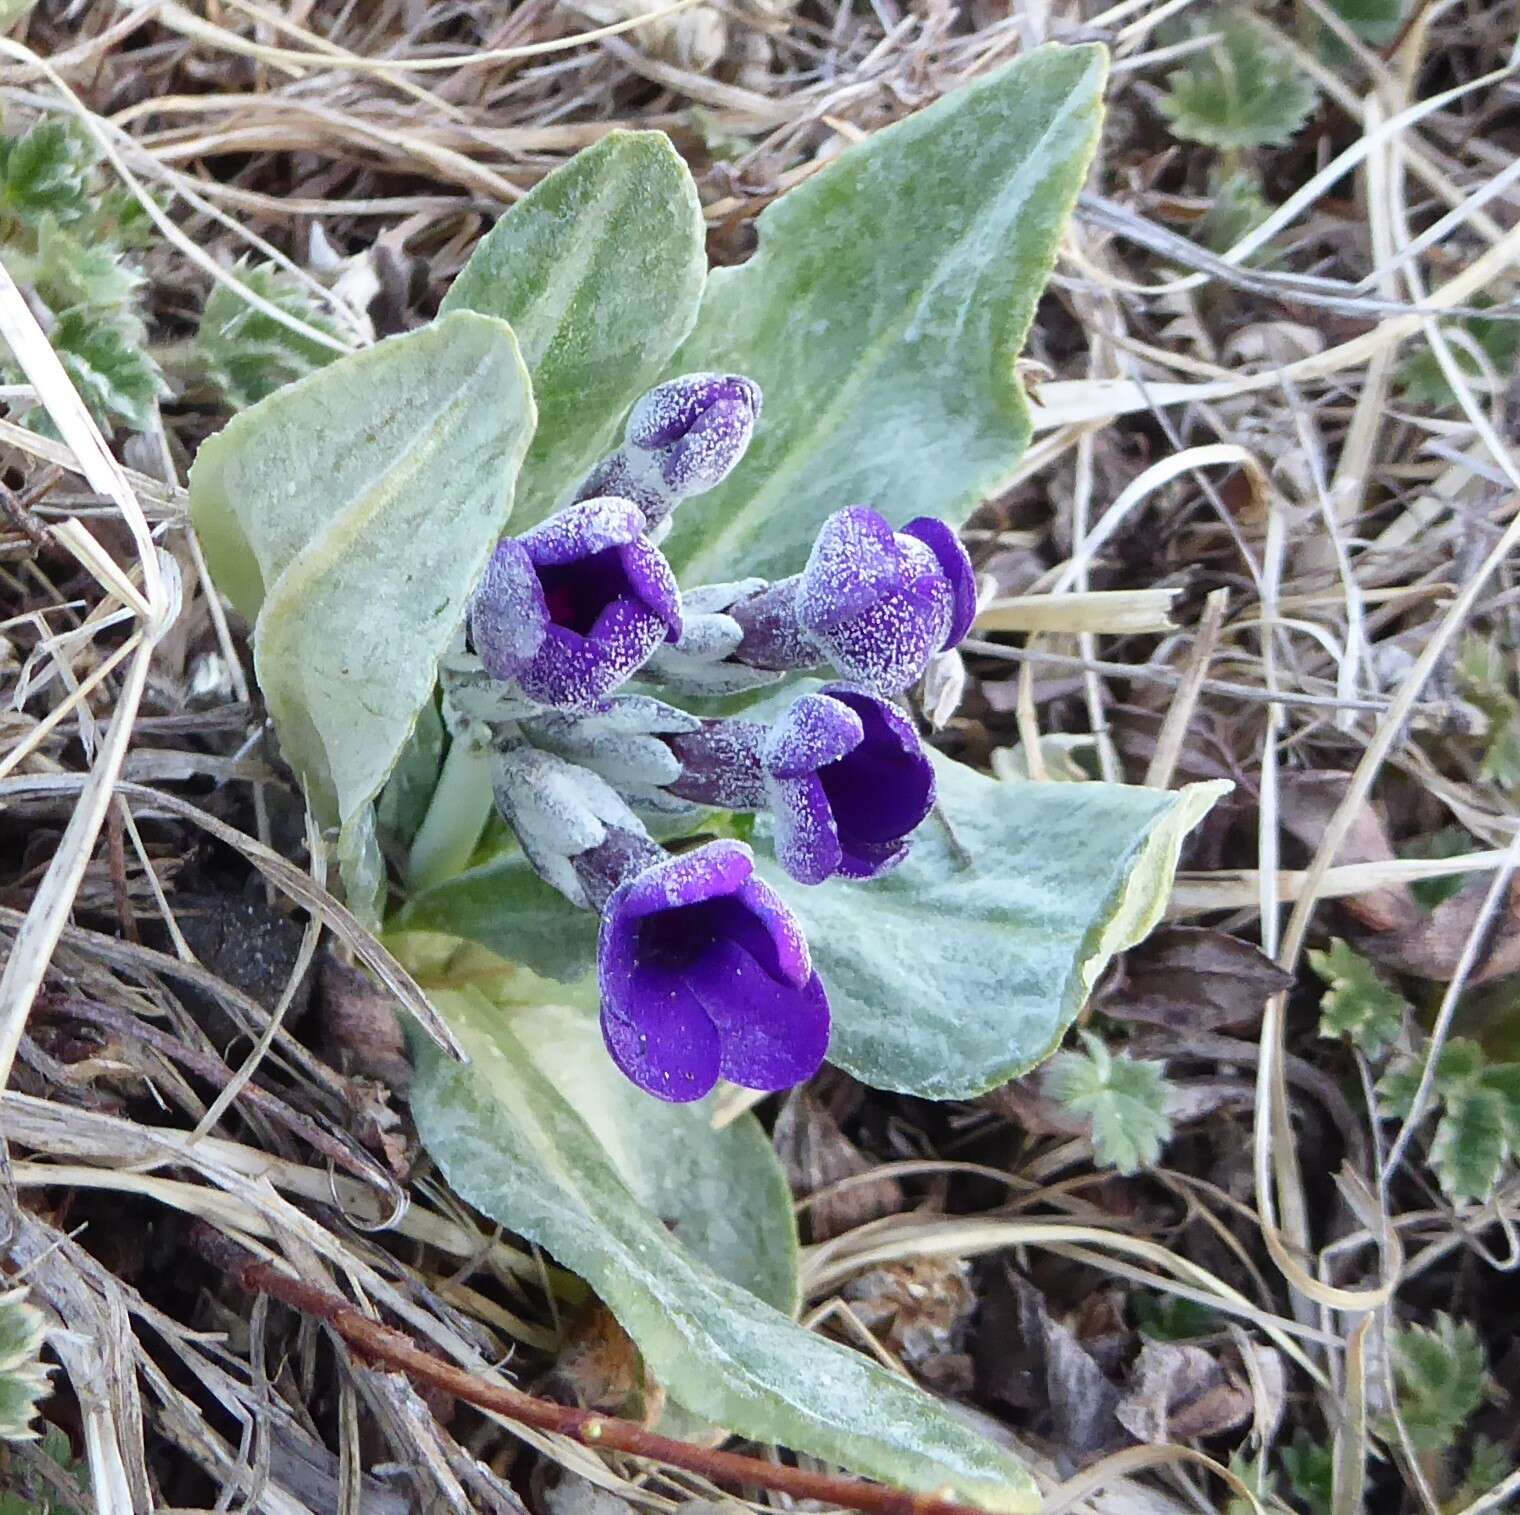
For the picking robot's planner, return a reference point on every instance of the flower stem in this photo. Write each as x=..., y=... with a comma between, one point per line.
x=447, y=837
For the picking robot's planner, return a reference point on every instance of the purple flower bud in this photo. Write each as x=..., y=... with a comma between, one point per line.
x=705, y=972
x=699, y=425
x=683, y=438
x=880, y=603
x=573, y=608
x=848, y=781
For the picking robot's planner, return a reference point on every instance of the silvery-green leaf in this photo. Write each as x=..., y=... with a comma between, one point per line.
x=513, y=1147
x=721, y=1193
x=351, y=514
x=599, y=269
x=965, y=965
x=506, y=906
x=883, y=312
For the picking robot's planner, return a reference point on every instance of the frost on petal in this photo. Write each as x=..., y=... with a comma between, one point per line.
x=879, y=604
x=847, y=782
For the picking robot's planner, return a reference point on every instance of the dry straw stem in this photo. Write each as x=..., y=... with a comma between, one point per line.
x=155, y=607
x=390, y=1349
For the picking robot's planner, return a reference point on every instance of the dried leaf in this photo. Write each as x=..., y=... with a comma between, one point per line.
x=1180, y=1392
x=815, y=1154
x=1308, y=801
x=1193, y=978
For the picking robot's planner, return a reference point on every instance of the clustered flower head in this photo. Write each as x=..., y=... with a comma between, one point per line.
x=704, y=971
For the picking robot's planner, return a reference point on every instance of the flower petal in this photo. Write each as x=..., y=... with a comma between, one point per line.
x=792, y=960
x=885, y=788
x=580, y=530
x=508, y=615
x=813, y=731
x=955, y=564
x=807, y=840
x=651, y=580
x=854, y=562
x=709, y=872
x=668, y=1044
x=887, y=645
x=670, y=410
x=771, y=1035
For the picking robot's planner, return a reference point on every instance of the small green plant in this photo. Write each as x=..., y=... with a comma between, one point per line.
x=1422, y=381
x=1479, y=1127
x=1310, y=1469
x=65, y=235
x=1485, y=673
x=31, y=1497
x=1239, y=92
x=1442, y=1378
x=1125, y=1099
x=1358, y=1006
x=1239, y=208
x=246, y=352
x=1166, y=1317
x=23, y=1375
x=1374, y=20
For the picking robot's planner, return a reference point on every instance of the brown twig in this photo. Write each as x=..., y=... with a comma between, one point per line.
x=390, y=1349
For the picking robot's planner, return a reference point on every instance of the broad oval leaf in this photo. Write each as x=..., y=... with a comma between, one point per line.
x=351, y=513
x=511, y=1146
x=882, y=314
x=965, y=965
x=599, y=269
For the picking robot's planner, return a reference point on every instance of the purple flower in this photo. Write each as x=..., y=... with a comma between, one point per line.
x=880, y=603
x=848, y=780
x=683, y=438
x=705, y=972
x=574, y=607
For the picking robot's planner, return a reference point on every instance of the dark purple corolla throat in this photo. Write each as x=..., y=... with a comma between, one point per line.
x=572, y=609
x=705, y=973
x=848, y=782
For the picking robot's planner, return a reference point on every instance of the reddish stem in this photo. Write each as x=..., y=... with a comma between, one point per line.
x=390, y=1349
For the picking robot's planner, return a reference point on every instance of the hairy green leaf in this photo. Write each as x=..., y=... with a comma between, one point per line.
x=1125, y=1101
x=1469, y=1146
x=47, y=172
x=1422, y=381
x=1485, y=673
x=249, y=354
x=351, y=513
x=965, y=965
x=505, y=906
x=31, y=1495
x=1240, y=91
x=1442, y=1379
x=1310, y=1466
x=883, y=312
x=68, y=269
x=1358, y=1006
x=103, y=354
x=1376, y=20
x=599, y=269
x=511, y=1145
x=23, y=1374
